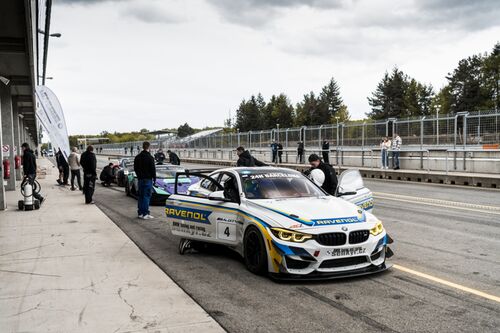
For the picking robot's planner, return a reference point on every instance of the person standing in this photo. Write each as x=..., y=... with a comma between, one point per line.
x=280, y=153
x=396, y=148
x=125, y=151
x=325, y=150
x=74, y=164
x=63, y=167
x=59, y=167
x=274, y=150
x=131, y=150
x=385, y=145
x=330, y=182
x=88, y=162
x=173, y=158
x=300, y=152
x=144, y=167
x=29, y=168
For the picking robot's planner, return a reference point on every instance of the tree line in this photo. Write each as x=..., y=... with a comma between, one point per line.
x=472, y=86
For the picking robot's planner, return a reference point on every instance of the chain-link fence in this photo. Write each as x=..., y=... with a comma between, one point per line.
x=456, y=131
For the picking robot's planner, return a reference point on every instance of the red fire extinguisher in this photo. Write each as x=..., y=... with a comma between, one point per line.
x=17, y=160
x=6, y=169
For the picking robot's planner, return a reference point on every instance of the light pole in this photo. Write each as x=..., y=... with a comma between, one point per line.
x=437, y=123
x=337, y=145
x=56, y=34
x=278, y=132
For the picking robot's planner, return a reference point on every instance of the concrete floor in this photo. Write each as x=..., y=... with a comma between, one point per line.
x=69, y=268
x=447, y=264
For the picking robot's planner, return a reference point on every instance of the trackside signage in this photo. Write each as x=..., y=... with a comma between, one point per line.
x=50, y=114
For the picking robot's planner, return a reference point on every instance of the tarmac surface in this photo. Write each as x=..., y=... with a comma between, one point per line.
x=446, y=274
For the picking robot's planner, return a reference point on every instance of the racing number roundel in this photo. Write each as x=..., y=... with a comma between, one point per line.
x=226, y=231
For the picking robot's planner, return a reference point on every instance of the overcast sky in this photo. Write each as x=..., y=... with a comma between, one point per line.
x=130, y=64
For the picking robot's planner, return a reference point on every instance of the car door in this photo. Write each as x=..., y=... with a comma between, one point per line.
x=351, y=188
x=203, y=218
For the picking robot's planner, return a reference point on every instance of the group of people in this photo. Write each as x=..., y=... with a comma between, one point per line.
x=390, y=146
x=277, y=152
x=173, y=158
x=322, y=173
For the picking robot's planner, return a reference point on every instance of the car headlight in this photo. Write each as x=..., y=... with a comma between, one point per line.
x=377, y=229
x=290, y=236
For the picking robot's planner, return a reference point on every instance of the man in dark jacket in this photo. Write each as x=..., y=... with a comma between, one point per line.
x=280, y=153
x=29, y=168
x=145, y=170
x=300, y=151
x=160, y=156
x=330, y=183
x=106, y=175
x=173, y=158
x=325, y=151
x=63, y=167
x=245, y=159
x=89, y=165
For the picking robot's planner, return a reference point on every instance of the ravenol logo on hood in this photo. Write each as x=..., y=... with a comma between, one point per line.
x=336, y=221
x=189, y=214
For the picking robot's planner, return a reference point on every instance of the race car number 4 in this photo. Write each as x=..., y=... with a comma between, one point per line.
x=226, y=231
x=351, y=251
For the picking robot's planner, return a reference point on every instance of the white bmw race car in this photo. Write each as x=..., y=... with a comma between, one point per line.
x=281, y=223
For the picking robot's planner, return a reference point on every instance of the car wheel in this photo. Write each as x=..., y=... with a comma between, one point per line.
x=127, y=188
x=255, y=254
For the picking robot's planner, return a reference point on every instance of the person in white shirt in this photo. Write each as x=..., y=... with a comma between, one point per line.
x=74, y=165
x=396, y=148
x=385, y=145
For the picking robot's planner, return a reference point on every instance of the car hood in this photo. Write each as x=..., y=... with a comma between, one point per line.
x=310, y=212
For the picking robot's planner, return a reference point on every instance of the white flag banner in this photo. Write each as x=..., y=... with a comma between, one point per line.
x=50, y=114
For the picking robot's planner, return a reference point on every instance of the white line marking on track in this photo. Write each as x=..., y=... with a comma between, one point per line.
x=439, y=203
x=448, y=283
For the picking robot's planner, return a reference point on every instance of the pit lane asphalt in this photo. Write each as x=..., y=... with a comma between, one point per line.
x=460, y=246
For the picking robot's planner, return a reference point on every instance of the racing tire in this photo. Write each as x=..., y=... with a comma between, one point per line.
x=254, y=250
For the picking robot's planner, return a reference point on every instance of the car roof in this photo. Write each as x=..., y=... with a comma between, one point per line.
x=251, y=170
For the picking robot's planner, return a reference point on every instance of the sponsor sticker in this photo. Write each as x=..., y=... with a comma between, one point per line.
x=335, y=221
x=344, y=252
x=188, y=214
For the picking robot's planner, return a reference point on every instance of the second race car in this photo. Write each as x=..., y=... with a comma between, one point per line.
x=164, y=184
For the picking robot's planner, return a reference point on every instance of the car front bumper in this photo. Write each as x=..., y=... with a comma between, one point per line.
x=311, y=260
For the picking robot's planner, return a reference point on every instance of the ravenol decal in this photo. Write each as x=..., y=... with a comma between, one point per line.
x=189, y=214
x=336, y=221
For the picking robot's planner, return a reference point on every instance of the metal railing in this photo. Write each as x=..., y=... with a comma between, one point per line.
x=453, y=131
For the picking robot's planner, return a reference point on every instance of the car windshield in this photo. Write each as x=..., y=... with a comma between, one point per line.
x=277, y=185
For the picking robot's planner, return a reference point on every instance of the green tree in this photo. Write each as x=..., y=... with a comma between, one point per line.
x=388, y=100
x=330, y=102
x=491, y=74
x=249, y=114
x=306, y=111
x=278, y=111
x=418, y=99
x=467, y=88
x=185, y=130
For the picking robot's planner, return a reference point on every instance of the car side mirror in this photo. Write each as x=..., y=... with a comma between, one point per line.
x=341, y=194
x=218, y=196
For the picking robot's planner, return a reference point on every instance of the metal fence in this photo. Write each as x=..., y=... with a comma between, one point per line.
x=461, y=130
